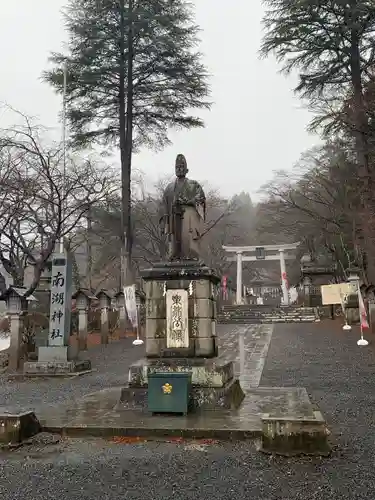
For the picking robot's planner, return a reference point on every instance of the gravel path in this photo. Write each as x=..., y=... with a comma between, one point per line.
x=110, y=368
x=321, y=357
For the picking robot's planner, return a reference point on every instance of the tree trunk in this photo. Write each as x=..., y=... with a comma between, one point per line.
x=361, y=128
x=360, y=115
x=126, y=140
x=89, y=247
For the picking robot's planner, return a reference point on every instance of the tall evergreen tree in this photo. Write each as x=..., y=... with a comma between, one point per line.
x=331, y=44
x=133, y=72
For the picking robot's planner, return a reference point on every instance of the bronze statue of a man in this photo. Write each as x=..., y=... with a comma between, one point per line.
x=184, y=214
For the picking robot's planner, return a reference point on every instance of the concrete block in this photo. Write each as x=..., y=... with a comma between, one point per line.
x=60, y=354
x=201, y=308
x=295, y=436
x=155, y=346
x=55, y=368
x=156, y=328
x=205, y=347
x=154, y=289
x=156, y=308
x=17, y=425
x=201, y=327
x=204, y=372
x=180, y=284
x=203, y=289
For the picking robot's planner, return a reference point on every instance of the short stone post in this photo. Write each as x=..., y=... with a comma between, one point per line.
x=371, y=314
x=17, y=308
x=83, y=299
x=120, y=303
x=141, y=312
x=16, y=317
x=351, y=303
x=104, y=303
x=239, y=279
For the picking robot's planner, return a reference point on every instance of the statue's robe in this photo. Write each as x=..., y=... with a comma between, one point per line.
x=190, y=195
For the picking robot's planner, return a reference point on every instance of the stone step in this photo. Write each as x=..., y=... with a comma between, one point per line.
x=251, y=314
x=287, y=319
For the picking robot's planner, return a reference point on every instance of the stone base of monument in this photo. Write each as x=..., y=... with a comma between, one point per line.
x=212, y=380
x=278, y=420
x=16, y=426
x=60, y=361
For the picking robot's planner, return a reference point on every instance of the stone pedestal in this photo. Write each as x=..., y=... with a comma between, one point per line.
x=56, y=360
x=181, y=292
x=213, y=382
x=181, y=337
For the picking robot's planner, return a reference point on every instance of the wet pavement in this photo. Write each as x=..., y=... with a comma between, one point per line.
x=110, y=368
x=86, y=404
x=338, y=376
x=246, y=346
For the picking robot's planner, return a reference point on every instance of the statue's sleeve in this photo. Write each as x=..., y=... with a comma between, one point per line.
x=200, y=200
x=168, y=208
x=200, y=197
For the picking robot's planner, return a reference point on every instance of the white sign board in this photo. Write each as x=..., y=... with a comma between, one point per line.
x=131, y=305
x=334, y=294
x=177, y=319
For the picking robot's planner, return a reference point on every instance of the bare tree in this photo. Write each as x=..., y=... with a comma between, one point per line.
x=51, y=201
x=317, y=206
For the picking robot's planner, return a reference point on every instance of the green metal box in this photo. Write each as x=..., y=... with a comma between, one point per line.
x=169, y=392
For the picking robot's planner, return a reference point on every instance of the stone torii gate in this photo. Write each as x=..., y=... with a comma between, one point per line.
x=261, y=253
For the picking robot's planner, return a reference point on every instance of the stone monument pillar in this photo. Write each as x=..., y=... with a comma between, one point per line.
x=58, y=357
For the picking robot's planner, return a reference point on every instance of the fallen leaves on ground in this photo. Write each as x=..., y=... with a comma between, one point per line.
x=127, y=439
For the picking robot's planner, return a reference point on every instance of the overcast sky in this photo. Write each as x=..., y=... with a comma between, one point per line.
x=255, y=126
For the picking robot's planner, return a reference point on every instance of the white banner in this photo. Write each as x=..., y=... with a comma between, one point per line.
x=362, y=311
x=131, y=305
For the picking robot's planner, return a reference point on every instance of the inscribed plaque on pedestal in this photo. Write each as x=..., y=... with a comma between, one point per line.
x=177, y=319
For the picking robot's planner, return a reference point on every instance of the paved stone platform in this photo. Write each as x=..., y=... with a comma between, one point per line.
x=94, y=415
x=265, y=410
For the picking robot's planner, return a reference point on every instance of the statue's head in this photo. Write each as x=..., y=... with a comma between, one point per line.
x=181, y=166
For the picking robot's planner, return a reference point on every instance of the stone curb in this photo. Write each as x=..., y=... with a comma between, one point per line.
x=291, y=436
x=224, y=434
